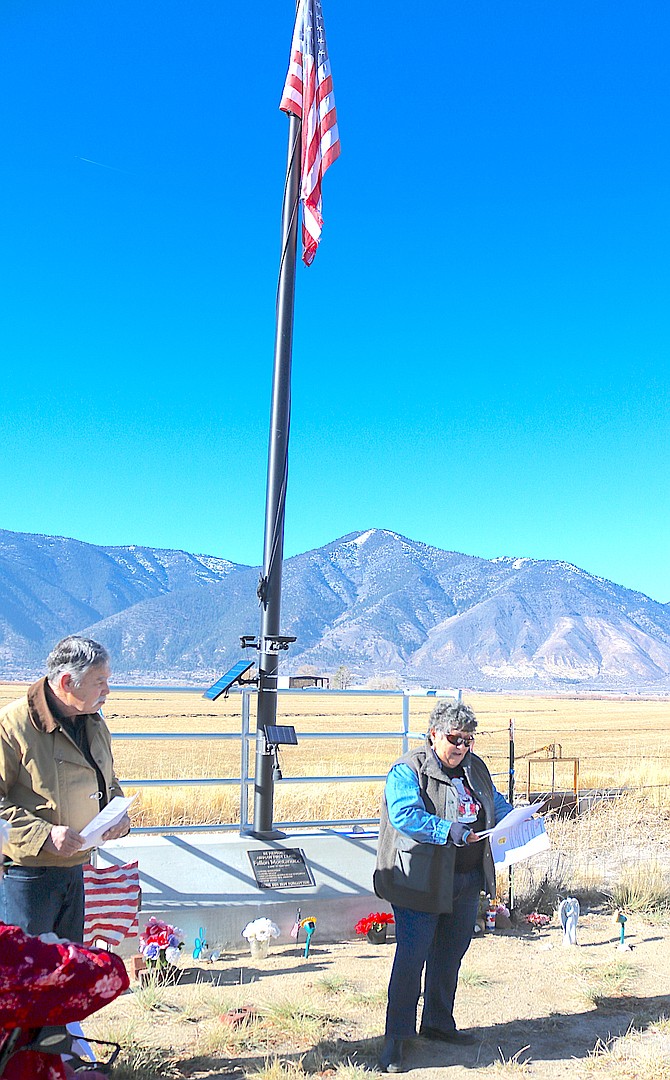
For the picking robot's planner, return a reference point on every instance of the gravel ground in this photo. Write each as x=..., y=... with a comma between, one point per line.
x=528, y=999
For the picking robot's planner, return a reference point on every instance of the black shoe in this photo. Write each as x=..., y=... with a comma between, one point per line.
x=390, y=1059
x=462, y=1038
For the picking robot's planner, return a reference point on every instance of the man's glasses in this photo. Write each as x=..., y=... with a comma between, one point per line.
x=460, y=740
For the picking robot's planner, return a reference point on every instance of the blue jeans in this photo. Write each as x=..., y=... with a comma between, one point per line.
x=438, y=942
x=44, y=899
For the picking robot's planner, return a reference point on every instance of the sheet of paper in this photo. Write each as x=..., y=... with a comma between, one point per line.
x=518, y=836
x=522, y=840
x=515, y=817
x=106, y=819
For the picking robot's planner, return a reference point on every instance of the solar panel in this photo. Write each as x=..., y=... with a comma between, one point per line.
x=281, y=735
x=227, y=680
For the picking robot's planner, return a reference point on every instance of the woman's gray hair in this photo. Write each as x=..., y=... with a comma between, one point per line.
x=74, y=655
x=452, y=716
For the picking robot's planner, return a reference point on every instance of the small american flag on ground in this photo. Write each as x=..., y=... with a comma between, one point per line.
x=111, y=903
x=308, y=94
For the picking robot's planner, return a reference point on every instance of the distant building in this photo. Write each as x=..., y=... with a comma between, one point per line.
x=303, y=682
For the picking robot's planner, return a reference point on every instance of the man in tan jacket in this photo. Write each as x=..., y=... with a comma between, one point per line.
x=56, y=774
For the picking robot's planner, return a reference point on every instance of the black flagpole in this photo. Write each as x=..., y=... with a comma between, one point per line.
x=269, y=588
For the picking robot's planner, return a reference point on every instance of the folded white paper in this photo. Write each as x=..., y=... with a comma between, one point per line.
x=518, y=836
x=107, y=818
x=520, y=842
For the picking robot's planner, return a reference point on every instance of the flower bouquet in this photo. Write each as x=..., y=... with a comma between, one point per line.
x=375, y=925
x=537, y=920
x=160, y=945
x=258, y=933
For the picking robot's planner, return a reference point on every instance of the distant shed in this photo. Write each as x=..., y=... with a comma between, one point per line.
x=306, y=682
x=303, y=682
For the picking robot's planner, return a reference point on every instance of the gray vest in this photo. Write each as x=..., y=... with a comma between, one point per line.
x=419, y=875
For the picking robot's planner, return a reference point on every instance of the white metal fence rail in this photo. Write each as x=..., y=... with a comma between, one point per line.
x=246, y=736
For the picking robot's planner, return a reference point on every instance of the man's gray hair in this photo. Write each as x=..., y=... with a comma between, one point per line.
x=74, y=655
x=452, y=716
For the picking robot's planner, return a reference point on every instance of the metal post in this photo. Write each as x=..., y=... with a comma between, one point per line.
x=244, y=762
x=275, y=501
x=405, y=723
x=510, y=783
x=510, y=799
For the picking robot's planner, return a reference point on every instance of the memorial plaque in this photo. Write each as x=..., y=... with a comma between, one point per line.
x=280, y=868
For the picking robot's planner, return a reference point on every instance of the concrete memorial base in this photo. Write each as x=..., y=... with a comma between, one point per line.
x=207, y=880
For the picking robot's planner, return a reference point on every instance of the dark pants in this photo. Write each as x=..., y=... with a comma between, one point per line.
x=44, y=899
x=439, y=942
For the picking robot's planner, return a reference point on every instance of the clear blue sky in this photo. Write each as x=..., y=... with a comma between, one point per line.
x=481, y=344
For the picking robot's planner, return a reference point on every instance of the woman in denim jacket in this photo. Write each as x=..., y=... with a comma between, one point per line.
x=432, y=866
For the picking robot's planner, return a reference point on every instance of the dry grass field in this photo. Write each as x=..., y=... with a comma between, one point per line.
x=619, y=741
x=540, y=1011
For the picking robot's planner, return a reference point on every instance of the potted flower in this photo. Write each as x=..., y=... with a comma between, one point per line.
x=258, y=933
x=160, y=945
x=375, y=926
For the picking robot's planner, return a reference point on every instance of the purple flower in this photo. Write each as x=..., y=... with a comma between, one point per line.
x=173, y=941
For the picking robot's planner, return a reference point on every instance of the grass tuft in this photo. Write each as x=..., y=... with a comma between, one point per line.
x=299, y=1019
x=471, y=977
x=277, y=1069
x=138, y=1060
x=219, y=1037
x=643, y=889
x=631, y=1057
x=334, y=984
x=541, y=889
x=611, y=980
x=150, y=997
x=510, y=1067
x=349, y=1070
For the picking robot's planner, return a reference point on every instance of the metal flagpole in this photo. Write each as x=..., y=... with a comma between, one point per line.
x=307, y=98
x=269, y=587
x=510, y=799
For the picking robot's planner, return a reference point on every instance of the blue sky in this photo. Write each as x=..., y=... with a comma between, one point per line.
x=481, y=345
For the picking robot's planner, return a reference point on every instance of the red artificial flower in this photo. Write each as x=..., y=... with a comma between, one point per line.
x=538, y=920
x=374, y=921
x=157, y=933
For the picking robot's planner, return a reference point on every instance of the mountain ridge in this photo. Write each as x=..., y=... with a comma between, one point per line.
x=375, y=602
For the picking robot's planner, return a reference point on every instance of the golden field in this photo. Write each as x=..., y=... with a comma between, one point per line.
x=619, y=741
x=323, y=1016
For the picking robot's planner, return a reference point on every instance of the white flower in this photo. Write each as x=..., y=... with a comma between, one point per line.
x=260, y=930
x=172, y=956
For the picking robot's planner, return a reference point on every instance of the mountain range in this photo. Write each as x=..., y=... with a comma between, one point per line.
x=373, y=602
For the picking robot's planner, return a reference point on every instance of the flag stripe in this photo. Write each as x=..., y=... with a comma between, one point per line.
x=112, y=901
x=308, y=94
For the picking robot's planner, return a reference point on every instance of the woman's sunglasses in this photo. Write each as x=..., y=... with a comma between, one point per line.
x=460, y=740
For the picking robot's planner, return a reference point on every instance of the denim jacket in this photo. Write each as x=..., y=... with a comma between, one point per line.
x=415, y=861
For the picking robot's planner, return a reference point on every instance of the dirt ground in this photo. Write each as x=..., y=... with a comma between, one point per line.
x=526, y=997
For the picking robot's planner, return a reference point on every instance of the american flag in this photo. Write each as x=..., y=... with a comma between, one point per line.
x=308, y=94
x=111, y=903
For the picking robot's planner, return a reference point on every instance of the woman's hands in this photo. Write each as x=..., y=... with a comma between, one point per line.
x=461, y=834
